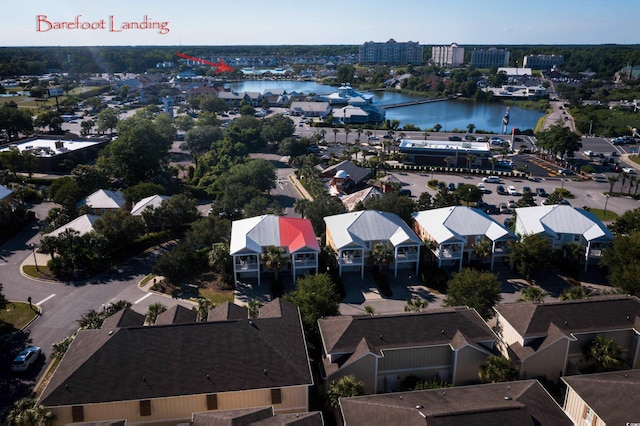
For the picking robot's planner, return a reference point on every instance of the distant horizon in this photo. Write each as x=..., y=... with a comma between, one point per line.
x=163, y=23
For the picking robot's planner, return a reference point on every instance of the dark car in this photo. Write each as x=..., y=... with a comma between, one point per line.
x=455, y=138
x=500, y=190
x=452, y=186
x=405, y=192
x=492, y=209
x=541, y=192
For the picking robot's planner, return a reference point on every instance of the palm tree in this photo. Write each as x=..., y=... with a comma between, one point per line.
x=203, y=308
x=448, y=161
x=368, y=133
x=482, y=249
x=426, y=135
x=415, y=304
x=604, y=352
x=369, y=310
x=573, y=293
x=335, y=135
x=437, y=127
x=344, y=387
x=153, y=311
x=633, y=182
x=347, y=130
x=92, y=320
x=323, y=132
x=623, y=177
x=612, y=180
x=300, y=205
x=382, y=255
x=493, y=161
x=219, y=259
x=470, y=159
x=471, y=127
x=26, y=412
x=274, y=259
x=498, y=369
x=359, y=131
x=532, y=294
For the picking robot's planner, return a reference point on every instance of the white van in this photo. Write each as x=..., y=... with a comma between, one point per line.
x=491, y=179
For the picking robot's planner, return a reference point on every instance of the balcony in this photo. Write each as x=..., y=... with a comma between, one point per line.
x=305, y=263
x=247, y=266
x=407, y=257
x=350, y=260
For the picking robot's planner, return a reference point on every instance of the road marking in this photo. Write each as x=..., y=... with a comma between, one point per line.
x=45, y=299
x=142, y=298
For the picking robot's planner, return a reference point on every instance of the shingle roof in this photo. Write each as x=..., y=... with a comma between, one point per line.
x=123, y=318
x=459, y=222
x=355, y=172
x=363, y=195
x=184, y=359
x=177, y=314
x=523, y=402
x=599, y=313
x=613, y=396
x=256, y=416
x=228, y=311
x=342, y=334
x=356, y=228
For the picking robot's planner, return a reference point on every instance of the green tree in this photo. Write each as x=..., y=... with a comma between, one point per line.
x=293, y=147
x=526, y=200
x=612, y=180
x=107, y=119
x=530, y=254
x=532, y=294
x=300, y=205
x=470, y=194
x=473, y=288
x=622, y=259
x=628, y=222
x=201, y=138
x=14, y=120
x=90, y=178
x=153, y=311
x=498, y=369
x=415, y=304
x=576, y=292
x=274, y=259
x=3, y=299
x=135, y=193
x=316, y=297
x=559, y=140
x=382, y=255
x=392, y=202
x=203, y=308
x=482, y=249
x=119, y=230
x=604, y=352
x=320, y=208
x=26, y=412
x=344, y=387
x=277, y=128
x=178, y=210
x=59, y=349
x=219, y=259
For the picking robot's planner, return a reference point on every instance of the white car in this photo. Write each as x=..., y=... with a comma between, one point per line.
x=628, y=170
x=481, y=187
x=512, y=190
x=491, y=179
x=25, y=359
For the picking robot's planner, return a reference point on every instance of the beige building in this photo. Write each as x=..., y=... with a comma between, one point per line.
x=549, y=339
x=447, y=344
x=165, y=373
x=603, y=399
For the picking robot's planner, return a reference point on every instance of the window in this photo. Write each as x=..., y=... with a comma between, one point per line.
x=77, y=413
x=212, y=401
x=145, y=407
x=276, y=396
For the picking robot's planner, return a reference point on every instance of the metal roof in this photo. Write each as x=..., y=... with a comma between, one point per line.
x=252, y=234
x=561, y=219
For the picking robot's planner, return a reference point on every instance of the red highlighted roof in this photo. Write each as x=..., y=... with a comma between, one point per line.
x=297, y=234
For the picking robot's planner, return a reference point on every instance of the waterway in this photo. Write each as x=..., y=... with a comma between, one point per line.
x=452, y=114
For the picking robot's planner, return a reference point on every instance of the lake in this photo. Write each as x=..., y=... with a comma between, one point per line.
x=454, y=114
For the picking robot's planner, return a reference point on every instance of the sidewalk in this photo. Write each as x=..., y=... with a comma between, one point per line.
x=298, y=186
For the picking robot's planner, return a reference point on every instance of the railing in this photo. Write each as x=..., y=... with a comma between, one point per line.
x=350, y=260
x=305, y=263
x=450, y=254
x=407, y=257
x=247, y=266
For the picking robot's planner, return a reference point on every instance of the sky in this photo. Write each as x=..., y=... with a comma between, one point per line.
x=326, y=22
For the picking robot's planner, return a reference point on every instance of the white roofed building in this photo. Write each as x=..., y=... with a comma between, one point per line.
x=455, y=230
x=354, y=235
x=564, y=224
x=104, y=200
x=82, y=225
x=153, y=202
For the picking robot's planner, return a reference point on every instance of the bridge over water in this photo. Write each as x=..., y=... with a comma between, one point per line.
x=417, y=102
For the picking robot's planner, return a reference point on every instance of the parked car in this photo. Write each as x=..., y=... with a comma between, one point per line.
x=452, y=186
x=492, y=209
x=511, y=204
x=25, y=359
x=405, y=192
x=628, y=170
x=500, y=190
x=526, y=189
x=491, y=179
x=455, y=138
x=503, y=208
x=512, y=190
x=565, y=172
x=481, y=187
x=508, y=222
x=541, y=192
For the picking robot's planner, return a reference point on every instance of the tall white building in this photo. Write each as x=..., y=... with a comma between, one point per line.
x=391, y=52
x=448, y=56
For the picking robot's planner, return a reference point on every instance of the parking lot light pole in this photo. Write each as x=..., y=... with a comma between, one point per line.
x=604, y=214
x=33, y=249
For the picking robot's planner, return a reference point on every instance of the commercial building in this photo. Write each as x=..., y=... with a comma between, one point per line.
x=493, y=57
x=391, y=53
x=447, y=56
x=542, y=62
x=435, y=153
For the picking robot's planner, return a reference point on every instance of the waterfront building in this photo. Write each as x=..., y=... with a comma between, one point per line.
x=391, y=52
x=434, y=153
x=448, y=56
x=481, y=58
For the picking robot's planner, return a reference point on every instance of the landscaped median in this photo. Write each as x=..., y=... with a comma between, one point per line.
x=15, y=317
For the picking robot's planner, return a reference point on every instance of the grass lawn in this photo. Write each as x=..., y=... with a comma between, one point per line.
x=215, y=296
x=41, y=273
x=600, y=214
x=15, y=316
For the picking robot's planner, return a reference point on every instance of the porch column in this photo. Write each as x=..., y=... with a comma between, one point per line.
x=418, y=261
x=362, y=264
x=340, y=262
x=259, y=271
x=586, y=255
x=235, y=278
x=395, y=261
x=493, y=253
x=461, y=256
